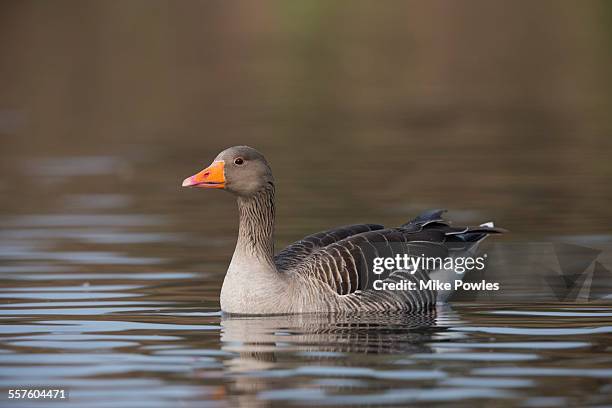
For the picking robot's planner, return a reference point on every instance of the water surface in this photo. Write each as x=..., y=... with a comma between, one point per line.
x=116, y=305
x=110, y=272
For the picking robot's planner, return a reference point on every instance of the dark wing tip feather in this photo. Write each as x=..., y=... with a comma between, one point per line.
x=474, y=234
x=487, y=230
x=427, y=217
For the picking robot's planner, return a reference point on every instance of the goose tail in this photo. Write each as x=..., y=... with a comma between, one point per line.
x=461, y=241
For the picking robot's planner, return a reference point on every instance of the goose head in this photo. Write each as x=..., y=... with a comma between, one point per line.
x=241, y=170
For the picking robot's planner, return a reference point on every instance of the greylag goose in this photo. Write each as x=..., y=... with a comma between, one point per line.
x=328, y=271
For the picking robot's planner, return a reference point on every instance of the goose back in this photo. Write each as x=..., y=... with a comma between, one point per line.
x=297, y=252
x=345, y=266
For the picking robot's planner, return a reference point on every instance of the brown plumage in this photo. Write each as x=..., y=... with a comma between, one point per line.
x=329, y=271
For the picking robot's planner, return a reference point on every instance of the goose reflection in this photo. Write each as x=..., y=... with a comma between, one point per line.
x=268, y=348
x=260, y=343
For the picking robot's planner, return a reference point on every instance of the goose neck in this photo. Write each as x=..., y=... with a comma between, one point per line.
x=256, y=229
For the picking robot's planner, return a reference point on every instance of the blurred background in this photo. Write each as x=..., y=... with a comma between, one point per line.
x=492, y=109
x=368, y=111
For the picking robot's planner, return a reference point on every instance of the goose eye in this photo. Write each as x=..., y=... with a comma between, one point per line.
x=238, y=161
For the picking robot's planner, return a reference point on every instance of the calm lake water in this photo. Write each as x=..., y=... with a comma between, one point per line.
x=110, y=272
x=114, y=297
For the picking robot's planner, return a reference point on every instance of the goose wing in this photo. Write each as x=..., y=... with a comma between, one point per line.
x=297, y=252
x=346, y=265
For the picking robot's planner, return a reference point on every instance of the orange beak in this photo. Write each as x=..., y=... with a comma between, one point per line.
x=211, y=177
